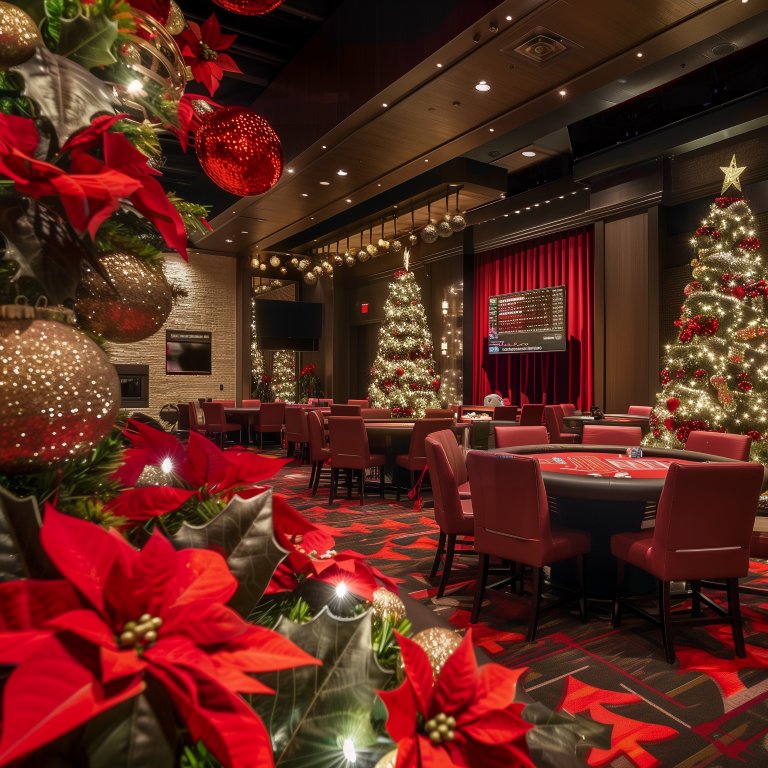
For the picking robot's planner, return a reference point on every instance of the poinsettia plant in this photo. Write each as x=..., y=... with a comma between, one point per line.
x=119, y=620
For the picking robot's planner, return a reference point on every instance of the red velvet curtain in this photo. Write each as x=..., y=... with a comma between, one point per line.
x=553, y=377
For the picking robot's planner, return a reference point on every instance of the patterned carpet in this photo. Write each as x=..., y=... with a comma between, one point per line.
x=708, y=709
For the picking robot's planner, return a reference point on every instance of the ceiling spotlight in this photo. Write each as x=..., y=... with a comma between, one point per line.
x=324, y=147
x=245, y=232
x=349, y=200
x=325, y=183
x=482, y=86
x=509, y=18
x=341, y=172
x=289, y=170
x=304, y=194
x=491, y=130
x=439, y=66
x=563, y=92
x=229, y=240
x=384, y=104
x=639, y=54
x=528, y=153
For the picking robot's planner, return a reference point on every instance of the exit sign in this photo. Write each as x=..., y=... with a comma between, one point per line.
x=364, y=309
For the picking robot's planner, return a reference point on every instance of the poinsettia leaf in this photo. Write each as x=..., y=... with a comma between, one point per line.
x=557, y=735
x=313, y=707
x=68, y=95
x=21, y=553
x=243, y=534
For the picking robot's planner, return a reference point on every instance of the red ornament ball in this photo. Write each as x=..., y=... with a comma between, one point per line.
x=669, y=424
x=754, y=434
x=700, y=373
x=744, y=386
x=657, y=433
x=249, y=7
x=436, y=384
x=400, y=371
x=240, y=151
x=673, y=404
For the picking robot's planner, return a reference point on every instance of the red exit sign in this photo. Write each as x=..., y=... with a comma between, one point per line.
x=364, y=309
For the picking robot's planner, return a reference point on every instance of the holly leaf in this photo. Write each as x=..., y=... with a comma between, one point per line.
x=315, y=708
x=21, y=554
x=88, y=40
x=67, y=95
x=244, y=535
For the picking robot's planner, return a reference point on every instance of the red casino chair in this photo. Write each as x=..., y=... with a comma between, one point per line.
x=597, y=434
x=345, y=409
x=724, y=444
x=271, y=418
x=505, y=413
x=531, y=414
x=296, y=432
x=416, y=459
x=350, y=450
x=512, y=522
x=553, y=419
x=639, y=410
x=512, y=437
x=216, y=422
x=703, y=529
x=455, y=453
x=319, y=453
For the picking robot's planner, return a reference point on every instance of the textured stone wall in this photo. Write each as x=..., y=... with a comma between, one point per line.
x=210, y=283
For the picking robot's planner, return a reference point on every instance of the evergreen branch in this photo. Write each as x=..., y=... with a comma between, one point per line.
x=116, y=236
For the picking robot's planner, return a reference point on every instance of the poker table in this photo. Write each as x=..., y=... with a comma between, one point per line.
x=576, y=423
x=600, y=490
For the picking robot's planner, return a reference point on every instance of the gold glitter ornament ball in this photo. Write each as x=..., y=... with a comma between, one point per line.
x=438, y=643
x=59, y=394
x=176, y=21
x=387, y=605
x=134, y=307
x=19, y=35
x=388, y=761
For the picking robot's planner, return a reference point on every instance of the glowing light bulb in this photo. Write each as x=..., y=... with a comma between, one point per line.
x=135, y=86
x=349, y=751
x=341, y=592
x=167, y=466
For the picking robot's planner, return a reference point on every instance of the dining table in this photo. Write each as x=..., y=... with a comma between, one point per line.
x=576, y=423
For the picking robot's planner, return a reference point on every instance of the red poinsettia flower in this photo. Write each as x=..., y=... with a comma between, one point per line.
x=190, y=119
x=202, y=48
x=119, y=617
x=467, y=717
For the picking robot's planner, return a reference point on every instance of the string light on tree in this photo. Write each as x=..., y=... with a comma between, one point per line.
x=715, y=375
x=284, y=375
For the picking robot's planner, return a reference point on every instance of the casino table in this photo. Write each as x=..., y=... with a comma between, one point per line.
x=600, y=490
x=576, y=423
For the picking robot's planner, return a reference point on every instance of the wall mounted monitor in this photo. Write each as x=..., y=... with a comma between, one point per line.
x=527, y=321
x=188, y=352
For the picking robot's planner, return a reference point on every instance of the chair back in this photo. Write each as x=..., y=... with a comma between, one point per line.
x=194, y=419
x=445, y=488
x=639, y=410
x=340, y=409
x=376, y=413
x=348, y=442
x=296, y=424
x=225, y=403
x=213, y=413
x=704, y=521
x=438, y=413
x=600, y=434
x=361, y=403
x=453, y=451
x=271, y=417
x=251, y=403
x=512, y=437
x=569, y=409
x=422, y=428
x=724, y=444
x=183, y=415
x=316, y=435
x=505, y=413
x=510, y=506
x=531, y=414
x=553, y=420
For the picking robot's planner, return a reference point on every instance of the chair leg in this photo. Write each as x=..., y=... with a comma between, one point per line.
x=334, y=483
x=362, y=487
x=438, y=555
x=312, y=475
x=582, y=589
x=734, y=610
x=535, y=603
x=483, y=561
x=381, y=481
x=618, y=594
x=696, y=598
x=665, y=611
x=451, y=546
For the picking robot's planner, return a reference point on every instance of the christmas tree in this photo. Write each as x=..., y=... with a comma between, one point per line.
x=261, y=386
x=284, y=375
x=715, y=376
x=404, y=373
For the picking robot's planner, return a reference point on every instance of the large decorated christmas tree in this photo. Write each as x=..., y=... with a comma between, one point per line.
x=404, y=373
x=284, y=375
x=715, y=375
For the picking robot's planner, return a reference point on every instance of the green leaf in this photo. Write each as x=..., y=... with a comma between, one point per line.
x=54, y=12
x=316, y=708
x=66, y=95
x=88, y=41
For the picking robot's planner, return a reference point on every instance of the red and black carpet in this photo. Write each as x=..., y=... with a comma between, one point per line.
x=707, y=709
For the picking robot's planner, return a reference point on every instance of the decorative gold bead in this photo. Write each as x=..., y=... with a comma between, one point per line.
x=151, y=636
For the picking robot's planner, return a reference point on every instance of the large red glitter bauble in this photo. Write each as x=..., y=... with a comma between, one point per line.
x=240, y=151
x=249, y=7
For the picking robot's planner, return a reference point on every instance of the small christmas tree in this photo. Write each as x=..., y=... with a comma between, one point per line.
x=284, y=375
x=715, y=377
x=404, y=373
x=257, y=359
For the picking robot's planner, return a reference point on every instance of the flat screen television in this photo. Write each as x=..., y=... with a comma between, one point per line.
x=188, y=352
x=527, y=321
x=296, y=325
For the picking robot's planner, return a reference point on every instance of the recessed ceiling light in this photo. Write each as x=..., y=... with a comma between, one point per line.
x=425, y=160
x=506, y=215
x=384, y=104
x=639, y=54
x=517, y=211
x=289, y=170
x=311, y=218
x=527, y=207
x=243, y=231
x=546, y=201
x=509, y=18
x=439, y=66
x=325, y=183
x=482, y=86
x=324, y=147
x=491, y=130
x=304, y=194
x=536, y=205
x=349, y=200
x=528, y=153
x=341, y=172
x=378, y=185
x=562, y=197
x=563, y=92
x=229, y=240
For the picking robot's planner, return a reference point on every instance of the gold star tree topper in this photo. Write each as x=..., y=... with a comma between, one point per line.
x=732, y=173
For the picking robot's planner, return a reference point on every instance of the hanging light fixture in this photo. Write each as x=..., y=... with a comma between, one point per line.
x=349, y=257
x=363, y=255
x=338, y=259
x=444, y=225
x=372, y=249
x=429, y=233
x=274, y=260
x=383, y=244
x=458, y=222
x=412, y=237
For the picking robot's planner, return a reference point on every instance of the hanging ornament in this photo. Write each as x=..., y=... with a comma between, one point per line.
x=317, y=269
x=19, y=36
x=310, y=278
x=176, y=21
x=413, y=239
x=155, y=60
x=457, y=220
x=338, y=260
x=240, y=151
x=395, y=246
x=388, y=606
x=438, y=643
x=59, y=394
x=362, y=254
x=249, y=7
x=444, y=227
x=326, y=267
x=274, y=260
x=132, y=306
x=349, y=259
x=429, y=233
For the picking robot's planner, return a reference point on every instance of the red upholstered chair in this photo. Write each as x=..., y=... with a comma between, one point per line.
x=416, y=458
x=730, y=446
x=569, y=409
x=376, y=413
x=598, y=434
x=531, y=414
x=251, y=403
x=193, y=417
x=225, y=403
x=438, y=413
x=296, y=432
x=512, y=522
x=553, y=419
x=271, y=418
x=452, y=513
x=362, y=403
x=350, y=450
x=505, y=413
x=319, y=453
x=340, y=409
x=639, y=410
x=448, y=439
x=511, y=437
x=703, y=529
x=216, y=422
